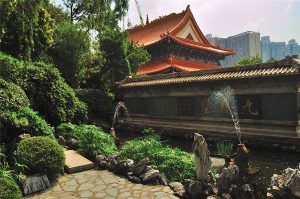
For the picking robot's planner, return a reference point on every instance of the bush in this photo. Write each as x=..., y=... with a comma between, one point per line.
x=40, y=155
x=47, y=90
x=12, y=97
x=176, y=164
x=225, y=148
x=9, y=189
x=100, y=106
x=91, y=139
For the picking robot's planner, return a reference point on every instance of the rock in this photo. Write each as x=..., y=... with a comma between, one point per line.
x=35, y=183
x=277, y=180
x=178, y=188
x=73, y=143
x=148, y=168
x=225, y=196
x=229, y=176
x=202, y=159
x=193, y=188
x=134, y=179
x=140, y=167
x=150, y=176
x=292, y=181
x=24, y=136
x=113, y=161
x=102, y=162
x=270, y=195
x=163, y=179
x=62, y=141
x=124, y=166
x=241, y=159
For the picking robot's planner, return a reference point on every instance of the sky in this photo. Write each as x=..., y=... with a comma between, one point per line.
x=279, y=19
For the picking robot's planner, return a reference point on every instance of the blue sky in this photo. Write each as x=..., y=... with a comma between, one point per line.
x=279, y=19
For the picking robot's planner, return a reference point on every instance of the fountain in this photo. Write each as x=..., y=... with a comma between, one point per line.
x=119, y=106
x=225, y=97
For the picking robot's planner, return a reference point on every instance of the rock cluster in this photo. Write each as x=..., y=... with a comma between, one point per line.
x=138, y=172
x=286, y=185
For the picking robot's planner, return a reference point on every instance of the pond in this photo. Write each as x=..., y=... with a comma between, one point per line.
x=267, y=161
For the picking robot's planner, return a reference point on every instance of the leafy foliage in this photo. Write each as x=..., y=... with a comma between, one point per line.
x=9, y=189
x=46, y=89
x=41, y=155
x=71, y=45
x=100, y=106
x=176, y=164
x=12, y=97
x=224, y=148
x=137, y=57
x=28, y=121
x=27, y=28
x=249, y=60
x=91, y=139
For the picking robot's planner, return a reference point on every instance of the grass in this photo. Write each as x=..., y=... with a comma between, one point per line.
x=175, y=163
x=224, y=148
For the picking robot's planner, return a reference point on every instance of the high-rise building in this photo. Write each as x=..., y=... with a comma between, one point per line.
x=265, y=46
x=292, y=48
x=280, y=50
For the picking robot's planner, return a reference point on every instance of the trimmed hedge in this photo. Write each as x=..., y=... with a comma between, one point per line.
x=9, y=189
x=91, y=139
x=41, y=155
x=47, y=90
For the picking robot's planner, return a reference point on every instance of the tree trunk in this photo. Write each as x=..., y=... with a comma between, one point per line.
x=202, y=158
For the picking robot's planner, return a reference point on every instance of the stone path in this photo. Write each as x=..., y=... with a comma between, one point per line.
x=102, y=184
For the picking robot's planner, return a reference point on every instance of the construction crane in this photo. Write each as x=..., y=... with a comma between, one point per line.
x=139, y=11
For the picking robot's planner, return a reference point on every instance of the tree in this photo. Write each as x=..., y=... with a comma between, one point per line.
x=70, y=46
x=249, y=60
x=137, y=56
x=26, y=28
x=272, y=59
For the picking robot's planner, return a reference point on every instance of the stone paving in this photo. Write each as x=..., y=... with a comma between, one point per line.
x=102, y=184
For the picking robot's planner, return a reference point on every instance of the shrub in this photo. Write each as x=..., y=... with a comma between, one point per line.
x=12, y=97
x=224, y=148
x=91, y=139
x=40, y=155
x=100, y=106
x=9, y=189
x=176, y=164
x=47, y=90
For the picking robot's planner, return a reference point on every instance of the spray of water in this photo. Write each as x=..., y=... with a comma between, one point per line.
x=225, y=98
x=119, y=106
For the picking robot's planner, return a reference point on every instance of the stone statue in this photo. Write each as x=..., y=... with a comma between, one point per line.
x=202, y=159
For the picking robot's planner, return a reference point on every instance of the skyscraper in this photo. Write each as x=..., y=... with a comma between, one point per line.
x=265, y=46
x=246, y=44
x=292, y=48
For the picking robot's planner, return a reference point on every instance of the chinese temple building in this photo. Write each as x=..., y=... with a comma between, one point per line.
x=176, y=44
x=185, y=71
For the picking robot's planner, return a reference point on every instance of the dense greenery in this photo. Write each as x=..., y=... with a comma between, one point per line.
x=176, y=164
x=46, y=89
x=249, y=60
x=26, y=28
x=91, y=139
x=41, y=155
x=71, y=45
x=100, y=106
x=9, y=189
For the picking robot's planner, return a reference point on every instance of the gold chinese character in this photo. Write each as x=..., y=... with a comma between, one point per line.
x=248, y=106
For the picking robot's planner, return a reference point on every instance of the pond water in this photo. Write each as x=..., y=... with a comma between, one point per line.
x=267, y=161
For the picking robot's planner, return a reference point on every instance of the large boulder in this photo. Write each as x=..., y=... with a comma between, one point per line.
x=150, y=176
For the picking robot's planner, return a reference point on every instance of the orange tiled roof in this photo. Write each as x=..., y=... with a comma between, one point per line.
x=170, y=25
x=287, y=66
x=182, y=65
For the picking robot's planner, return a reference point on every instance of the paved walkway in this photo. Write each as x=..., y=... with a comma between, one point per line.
x=102, y=184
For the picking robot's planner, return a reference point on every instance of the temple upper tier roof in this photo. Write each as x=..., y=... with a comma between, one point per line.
x=181, y=27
